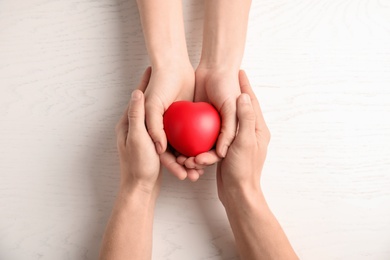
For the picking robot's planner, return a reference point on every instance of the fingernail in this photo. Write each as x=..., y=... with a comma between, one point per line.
x=159, y=148
x=135, y=95
x=224, y=151
x=245, y=98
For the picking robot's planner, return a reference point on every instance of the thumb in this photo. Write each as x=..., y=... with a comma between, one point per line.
x=246, y=117
x=136, y=112
x=228, y=128
x=155, y=126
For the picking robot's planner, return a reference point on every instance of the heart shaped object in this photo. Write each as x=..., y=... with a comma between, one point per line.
x=191, y=128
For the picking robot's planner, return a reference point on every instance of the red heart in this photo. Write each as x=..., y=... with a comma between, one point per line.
x=191, y=128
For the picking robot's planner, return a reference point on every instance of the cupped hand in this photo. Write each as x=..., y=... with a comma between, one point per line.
x=221, y=89
x=166, y=86
x=240, y=170
x=139, y=161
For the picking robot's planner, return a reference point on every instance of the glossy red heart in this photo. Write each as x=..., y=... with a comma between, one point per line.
x=191, y=128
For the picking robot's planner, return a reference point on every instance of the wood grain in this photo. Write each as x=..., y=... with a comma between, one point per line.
x=321, y=70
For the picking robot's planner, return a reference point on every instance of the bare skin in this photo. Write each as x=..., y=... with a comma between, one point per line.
x=133, y=211
x=258, y=235
x=173, y=78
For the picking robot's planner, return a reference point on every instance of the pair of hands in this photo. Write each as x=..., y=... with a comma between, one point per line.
x=218, y=87
x=242, y=164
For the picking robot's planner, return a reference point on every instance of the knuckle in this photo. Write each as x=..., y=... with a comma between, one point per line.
x=250, y=115
x=132, y=114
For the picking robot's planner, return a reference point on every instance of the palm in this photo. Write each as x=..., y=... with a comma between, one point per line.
x=218, y=89
x=221, y=89
x=166, y=87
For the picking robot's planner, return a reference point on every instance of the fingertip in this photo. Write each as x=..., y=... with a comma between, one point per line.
x=190, y=163
x=222, y=149
x=244, y=107
x=193, y=175
x=136, y=95
x=245, y=86
x=159, y=148
x=182, y=177
x=181, y=159
x=246, y=116
x=169, y=161
x=244, y=99
x=242, y=73
x=207, y=158
x=157, y=134
x=180, y=172
x=228, y=127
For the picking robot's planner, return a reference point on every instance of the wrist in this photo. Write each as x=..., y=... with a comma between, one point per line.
x=219, y=62
x=172, y=65
x=205, y=71
x=221, y=49
x=136, y=199
x=243, y=197
x=140, y=189
x=168, y=60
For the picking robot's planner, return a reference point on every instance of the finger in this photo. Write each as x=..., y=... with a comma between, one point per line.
x=122, y=128
x=169, y=161
x=190, y=163
x=246, y=117
x=181, y=159
x=207, y=158
x=136, y=112
x=193, y=175
x=145, y=79
x=261, y=126
x=228, y=127
x=200, y=171
x=246, y=88
x=155, y=125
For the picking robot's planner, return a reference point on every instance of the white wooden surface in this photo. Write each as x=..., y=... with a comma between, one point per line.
x=321, y=70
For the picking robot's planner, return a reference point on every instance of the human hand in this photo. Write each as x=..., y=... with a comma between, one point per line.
x=167, y=85
x=220, y=88
x=139, y=161
x=240, y=170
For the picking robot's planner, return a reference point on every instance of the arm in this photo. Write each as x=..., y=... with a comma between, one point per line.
x=216, y=77
x=172, y=77
x=163, y=27
x=257, y=233
x=224, y=34
x=129, y=231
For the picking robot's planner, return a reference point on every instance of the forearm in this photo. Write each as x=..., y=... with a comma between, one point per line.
x=163, y=27
x=129, y=231
x=224, y=33
x=257, y=233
